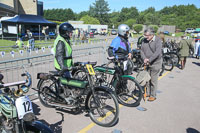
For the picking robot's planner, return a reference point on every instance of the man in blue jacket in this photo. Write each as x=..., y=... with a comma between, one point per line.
x=120, y=46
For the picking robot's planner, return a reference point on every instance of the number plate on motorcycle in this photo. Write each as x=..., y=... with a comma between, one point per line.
x=90, y=69
x=24, y=106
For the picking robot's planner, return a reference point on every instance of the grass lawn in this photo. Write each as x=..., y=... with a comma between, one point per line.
x=11, y=43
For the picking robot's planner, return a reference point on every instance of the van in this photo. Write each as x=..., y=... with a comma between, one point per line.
x=189, y=30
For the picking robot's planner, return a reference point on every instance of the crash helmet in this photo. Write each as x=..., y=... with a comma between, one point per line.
x=123, y=30
x=65, y=29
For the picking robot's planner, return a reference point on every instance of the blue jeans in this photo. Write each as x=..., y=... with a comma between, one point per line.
x=67, y=74
x=32, y=44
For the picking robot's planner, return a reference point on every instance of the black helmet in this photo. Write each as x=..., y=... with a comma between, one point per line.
x=65, y=29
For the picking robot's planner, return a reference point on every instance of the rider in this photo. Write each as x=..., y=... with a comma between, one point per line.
x=139, y=42
x=120, y=46
x=62, y=49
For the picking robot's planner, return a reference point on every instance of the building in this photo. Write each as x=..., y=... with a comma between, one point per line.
x=87, y=27
x=16, y=7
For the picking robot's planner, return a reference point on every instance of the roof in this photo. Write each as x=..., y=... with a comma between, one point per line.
x=28, y=19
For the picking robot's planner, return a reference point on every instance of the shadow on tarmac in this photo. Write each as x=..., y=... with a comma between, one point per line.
x=57, y=127
x=198, y=64
x=36, y=109
x=192, y=130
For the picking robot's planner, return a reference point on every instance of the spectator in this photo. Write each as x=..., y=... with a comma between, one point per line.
x=151, y=53
x=19, y=43
x=184, y=50
x=63, y=49
x=47, y=34
x=197, y=44
x=120, y=47
x=31, y=43
x=139, y=42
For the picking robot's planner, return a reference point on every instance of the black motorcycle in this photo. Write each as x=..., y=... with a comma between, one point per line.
x=55, y=90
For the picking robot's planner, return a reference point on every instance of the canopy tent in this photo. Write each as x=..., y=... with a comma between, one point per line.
x=28, y=19
x=24, y=19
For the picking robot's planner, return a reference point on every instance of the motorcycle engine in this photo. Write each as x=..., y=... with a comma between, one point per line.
x=7, y=126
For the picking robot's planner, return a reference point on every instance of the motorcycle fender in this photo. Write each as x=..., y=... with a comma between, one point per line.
x=40, y=126
x=128, y=76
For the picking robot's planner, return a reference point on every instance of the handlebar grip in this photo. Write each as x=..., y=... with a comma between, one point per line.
x=23, y=74
x=1, y=86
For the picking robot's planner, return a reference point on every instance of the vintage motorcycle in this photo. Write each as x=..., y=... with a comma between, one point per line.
x=16, y=111
x=55, y=90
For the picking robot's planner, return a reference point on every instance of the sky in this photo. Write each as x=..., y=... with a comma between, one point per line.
x=116, y=5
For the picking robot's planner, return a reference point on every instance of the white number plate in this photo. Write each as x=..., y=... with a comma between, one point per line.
x=125, y=65
x=24, y=106
x=165, y=50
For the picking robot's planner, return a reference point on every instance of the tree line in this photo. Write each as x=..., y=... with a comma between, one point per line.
x=182, y=16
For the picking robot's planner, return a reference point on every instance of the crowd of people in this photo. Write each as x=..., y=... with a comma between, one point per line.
x=149, y=44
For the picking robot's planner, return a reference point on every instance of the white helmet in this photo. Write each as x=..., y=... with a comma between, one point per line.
x=123, y=29
x=198, y=35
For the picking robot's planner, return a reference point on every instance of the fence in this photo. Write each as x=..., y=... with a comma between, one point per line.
x=43, y=61
x=12, y=69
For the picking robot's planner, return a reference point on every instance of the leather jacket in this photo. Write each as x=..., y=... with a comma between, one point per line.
x=60, y=53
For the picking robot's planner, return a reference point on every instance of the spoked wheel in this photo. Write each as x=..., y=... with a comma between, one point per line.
x=103, y=108
x=128, y=91
x=175, y=58
x=44, y=93
x=168, y=63
x=80, y=74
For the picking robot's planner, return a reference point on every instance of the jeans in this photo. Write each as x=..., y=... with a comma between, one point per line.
x=31, y=44
x=67, y=74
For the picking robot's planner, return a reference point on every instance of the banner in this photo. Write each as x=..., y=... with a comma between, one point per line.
x=12, y=54
x=3, y=53
x=21, y=52
x=43, y=49
x=36, y=50
x=29, y=51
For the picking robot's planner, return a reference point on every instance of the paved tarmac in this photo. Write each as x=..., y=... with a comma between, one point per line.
x=176, y=109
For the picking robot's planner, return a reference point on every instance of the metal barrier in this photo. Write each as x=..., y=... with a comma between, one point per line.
x=44, y=61
x=12, y=69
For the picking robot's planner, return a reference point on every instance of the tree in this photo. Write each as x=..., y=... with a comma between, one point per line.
x=128, y=13
x=81, y=14
x=100, y=10
x=130, y=22
x=155, y=27
x=89, y=20
x=113, y=19
x=59, y=14
x=141, y=19
x=138, y=28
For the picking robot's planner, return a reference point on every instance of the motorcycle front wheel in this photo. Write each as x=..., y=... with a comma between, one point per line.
x=103, y=107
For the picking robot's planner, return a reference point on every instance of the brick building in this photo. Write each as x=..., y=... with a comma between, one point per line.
x=16, y=7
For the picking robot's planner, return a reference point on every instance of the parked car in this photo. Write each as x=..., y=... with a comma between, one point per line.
x=91, y=34
x=194, y=34
x=103, y=32
x=189, y=30
x=94, y=31
x=166, y=32
x=113, y=32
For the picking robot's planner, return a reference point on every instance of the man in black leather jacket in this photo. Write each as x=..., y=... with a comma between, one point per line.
x=62, y=48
